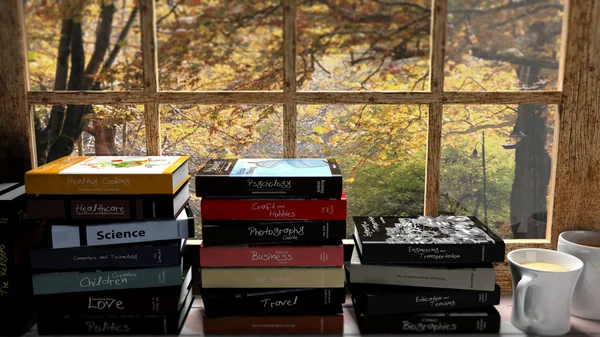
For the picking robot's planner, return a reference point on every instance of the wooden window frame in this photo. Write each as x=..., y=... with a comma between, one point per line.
x=576, y=137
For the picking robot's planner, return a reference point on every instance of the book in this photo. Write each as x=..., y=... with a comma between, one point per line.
x=383, y=300
x=79, y=282
x=235, y=302
x=12, y=204
x=449, y=276
x=274, y=277
x=93, y=207
x=155, y=254
x=225, y=233
x=109, y=175
x=443, y=239
x=278, y=177
x=66, y=236
x=273, y=209
x=481, y=320
x=272, y=256
x=50, y=323
x=117, y=302
x=275, y=325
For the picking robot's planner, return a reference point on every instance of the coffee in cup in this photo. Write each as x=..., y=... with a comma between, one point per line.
x=585, y=245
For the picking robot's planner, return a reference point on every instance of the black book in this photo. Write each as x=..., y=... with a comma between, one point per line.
x=237, y=302
x=92, y=208
x=159, y=300
x=297, y=177
x=154, y=254
x=149, y=324
x=13, y=201
x=482, y=320
x=388, y=300
x=227, y=233
x=443, y=239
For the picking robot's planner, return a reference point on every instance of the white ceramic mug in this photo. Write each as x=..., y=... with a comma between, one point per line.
x=586, y=298
x=542, y=299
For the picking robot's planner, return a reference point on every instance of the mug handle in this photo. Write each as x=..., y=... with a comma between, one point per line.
x=521, y=290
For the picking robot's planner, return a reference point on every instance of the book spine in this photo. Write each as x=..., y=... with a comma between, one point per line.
x=278, y=325
x=150, y=207
x=443, y=324
x=120, y=233
x=56, y=283
x=272, y=256
x=301, y=187
x=465, y=278
x=382, y=252
x=105, y=325
x=216, y=233
x=270, y=302
x=248, y=209
x=105, y=257
x=430, y=301
x=330, y=277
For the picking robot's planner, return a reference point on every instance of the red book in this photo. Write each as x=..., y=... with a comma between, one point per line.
x=280, y=325
x=273, y=209
x=272, y=256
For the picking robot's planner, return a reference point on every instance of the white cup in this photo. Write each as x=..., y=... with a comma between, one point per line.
x=586, y=298
x=542, y=299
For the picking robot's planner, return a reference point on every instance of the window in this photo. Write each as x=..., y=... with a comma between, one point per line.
x=402, y=95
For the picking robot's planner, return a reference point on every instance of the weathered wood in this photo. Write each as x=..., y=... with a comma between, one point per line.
x=301, y=97
x=434, y=119
x=575, y=182
x=17, y=153
x=150, y=84
x=289, y=77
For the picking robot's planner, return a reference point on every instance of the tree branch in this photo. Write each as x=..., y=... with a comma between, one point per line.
x=510, y=5
x=524, y=61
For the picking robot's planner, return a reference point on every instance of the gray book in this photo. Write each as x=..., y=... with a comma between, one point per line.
x=75, y=282
x=436, y=276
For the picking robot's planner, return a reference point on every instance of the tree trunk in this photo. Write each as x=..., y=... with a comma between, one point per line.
x=104, y=140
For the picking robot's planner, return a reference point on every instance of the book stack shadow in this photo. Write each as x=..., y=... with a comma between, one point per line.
x=272, y=260
x=424, y=275
x=111, y=257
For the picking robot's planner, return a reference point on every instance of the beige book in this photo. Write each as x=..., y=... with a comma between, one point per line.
x=287, y=277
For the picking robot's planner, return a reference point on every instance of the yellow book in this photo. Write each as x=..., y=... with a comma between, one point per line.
x=286, y=277
x=109, y=175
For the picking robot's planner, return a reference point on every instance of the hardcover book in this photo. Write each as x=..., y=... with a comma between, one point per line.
x=443, y=239
x=273, y=209
x=109, y=175
x=92, y=208
x=236, y=302
x=275, y=325
x=150, y=324
x=449, y=276
x=296, y=177
x=66, y=236
x=78, y=282
x=482, y=320
x=155, y=254
x=118, y=302
x=224, y=233
x=274, y=277
x=272, y=256
x=383, y=300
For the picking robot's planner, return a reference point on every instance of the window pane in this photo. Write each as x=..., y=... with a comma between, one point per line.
x=83, y=45
x=103, y=130
x=381, y=150
x=220, y=45
x=496, y=160
x=363, y=45
x=503, y=45
x=220, y=131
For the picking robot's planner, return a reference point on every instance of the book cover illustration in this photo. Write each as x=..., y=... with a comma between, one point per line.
x=121, y=165
x=293, y=167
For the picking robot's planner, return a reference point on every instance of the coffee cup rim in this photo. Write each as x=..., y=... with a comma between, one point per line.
x=578, y=262
x=563, y=239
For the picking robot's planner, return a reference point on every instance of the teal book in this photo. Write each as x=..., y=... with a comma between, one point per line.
x=76, y=282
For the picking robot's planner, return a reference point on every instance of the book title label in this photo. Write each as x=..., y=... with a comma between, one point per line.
x=285, y=233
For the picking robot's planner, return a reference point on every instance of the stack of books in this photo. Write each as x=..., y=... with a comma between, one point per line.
x=110, y=260
x=272, y=259
x=424, y=275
